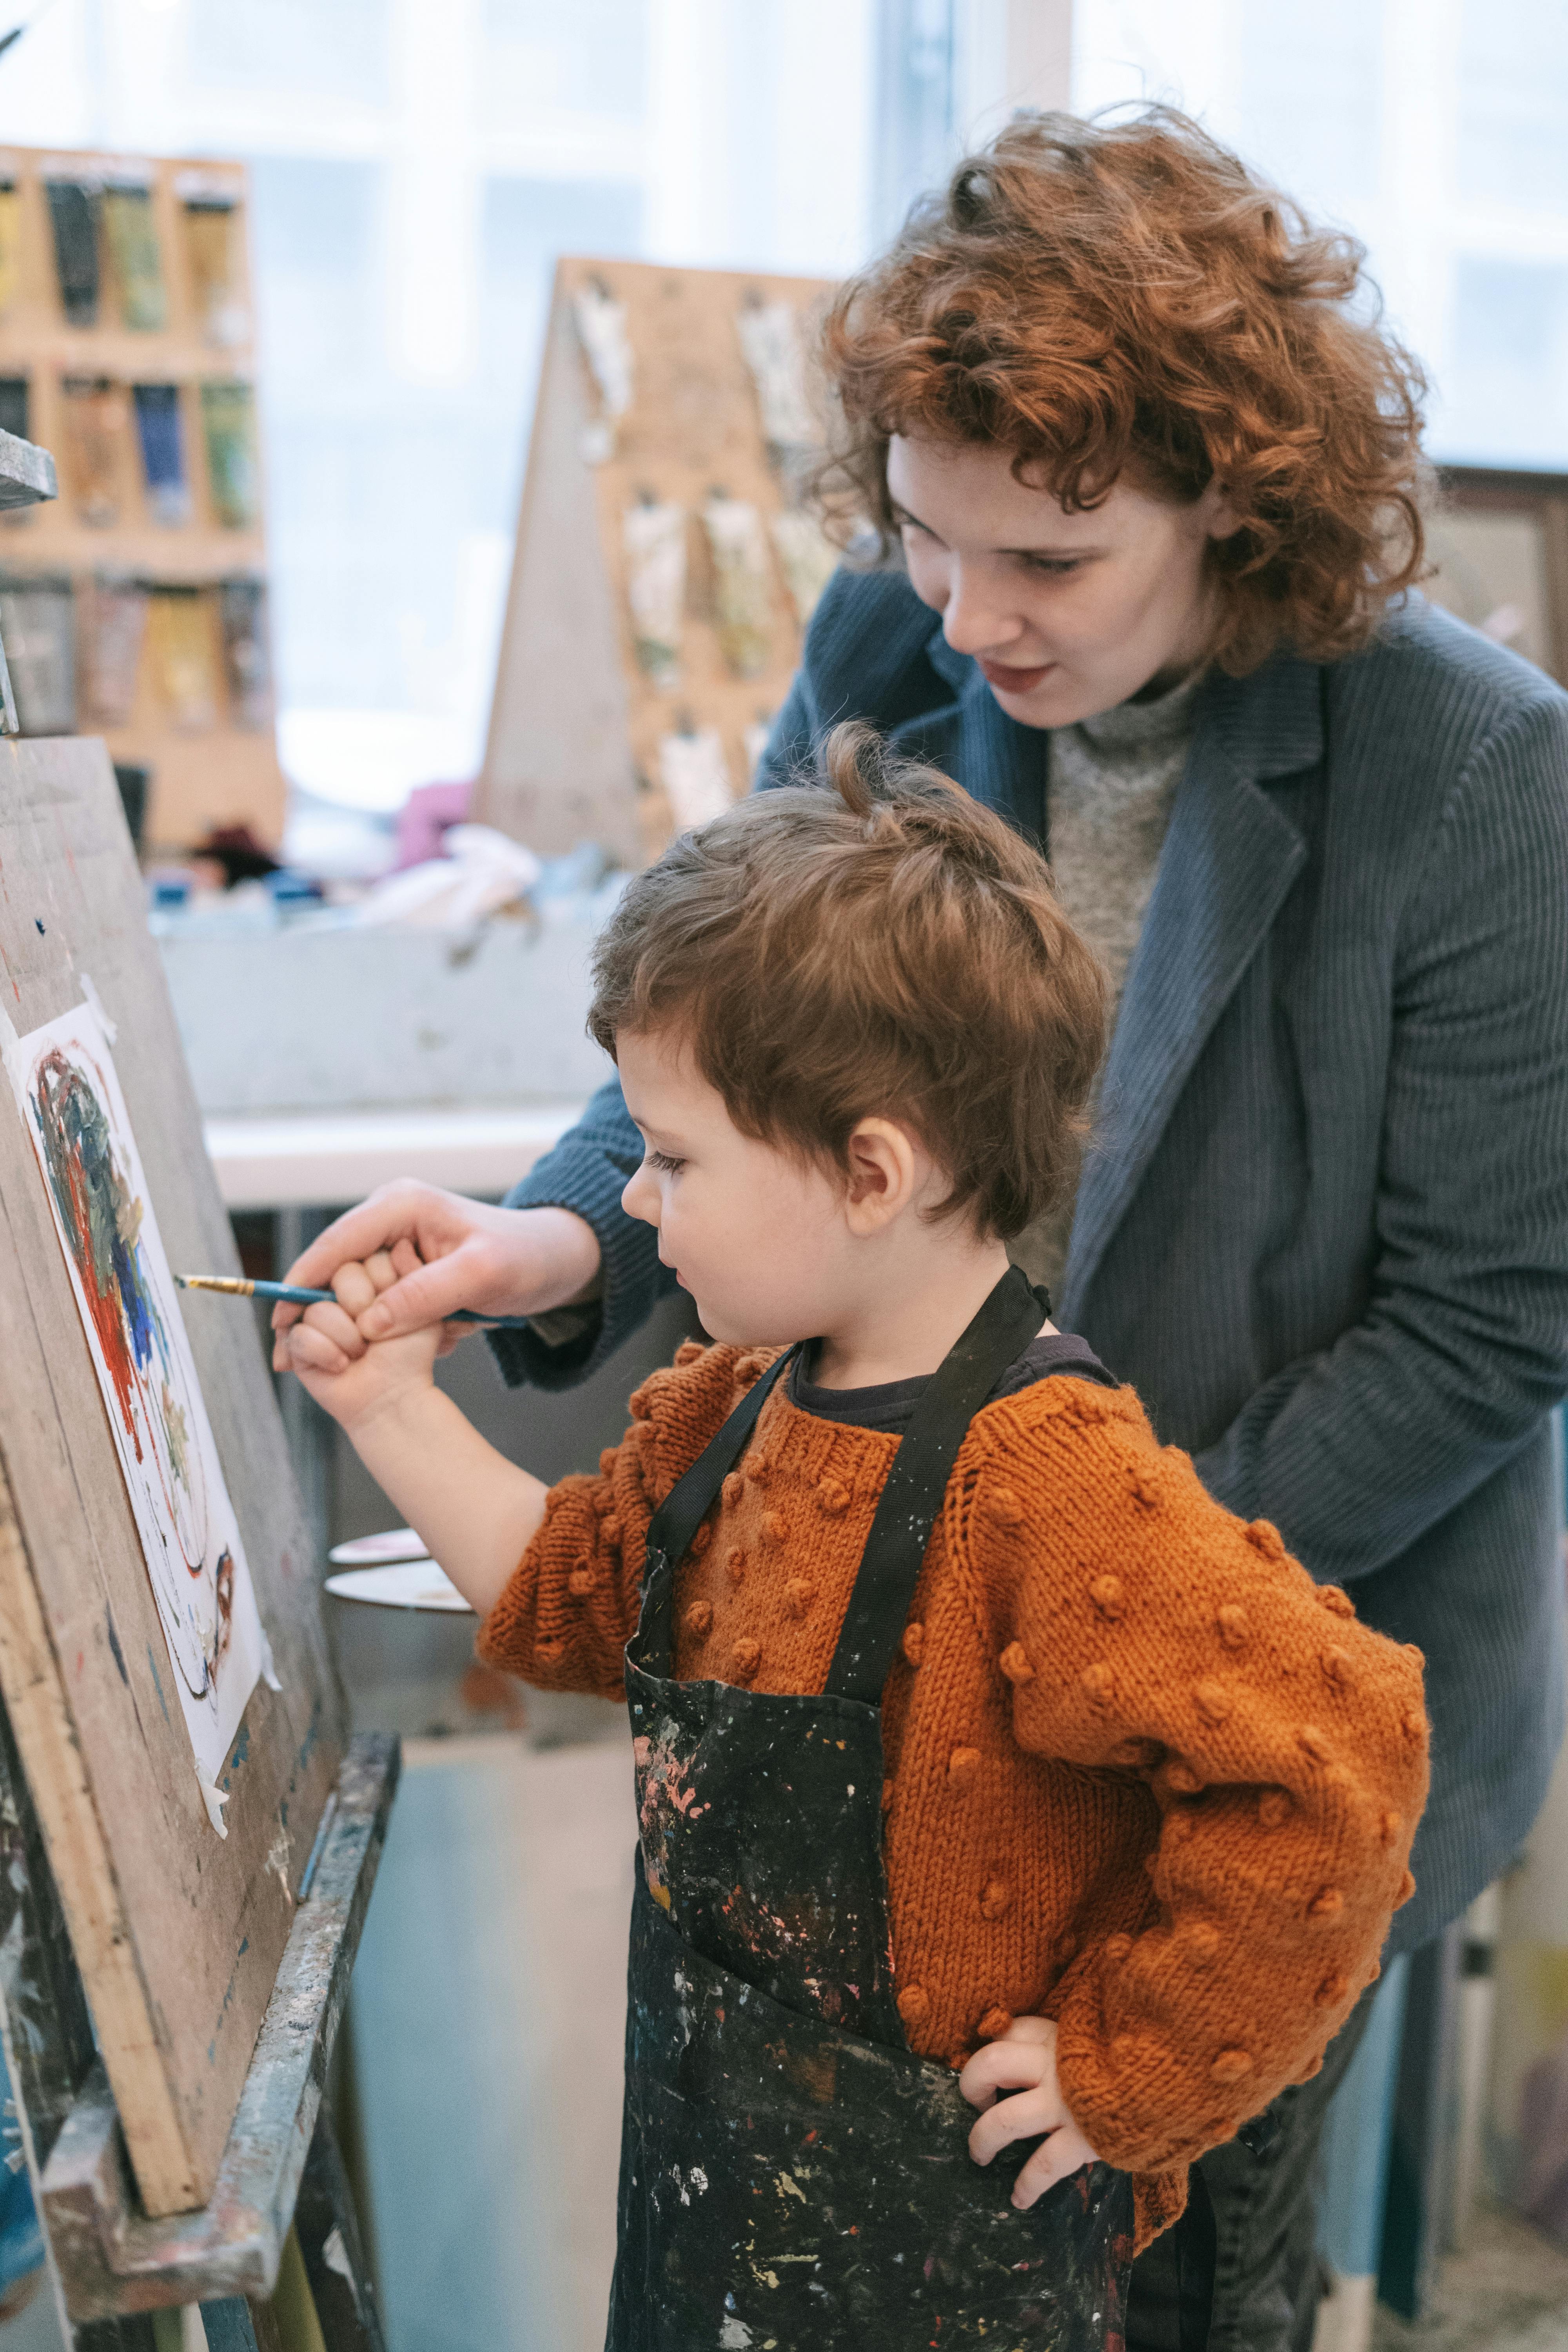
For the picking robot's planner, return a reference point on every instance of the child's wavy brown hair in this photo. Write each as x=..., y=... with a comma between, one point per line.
x=882, y=948
x=1117, y=297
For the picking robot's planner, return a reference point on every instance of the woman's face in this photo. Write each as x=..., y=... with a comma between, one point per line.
x=1067, y=614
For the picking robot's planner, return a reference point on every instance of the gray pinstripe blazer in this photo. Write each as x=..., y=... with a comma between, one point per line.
x=1324, y=1227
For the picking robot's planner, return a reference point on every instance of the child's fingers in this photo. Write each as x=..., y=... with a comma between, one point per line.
x=1057, y=2159
x=352, y=1287
x=306, y=1348
x=1023, y=2118
x=405, y=1257
x=380, y=1271
x=336, y=1324
x=1005, y=2065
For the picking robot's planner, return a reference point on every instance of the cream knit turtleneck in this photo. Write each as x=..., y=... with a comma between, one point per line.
x=1110, y=787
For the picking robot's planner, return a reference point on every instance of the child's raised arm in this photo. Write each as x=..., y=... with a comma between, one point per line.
x=475, y=1511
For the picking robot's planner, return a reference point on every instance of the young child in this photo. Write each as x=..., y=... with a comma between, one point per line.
x=971, y=1734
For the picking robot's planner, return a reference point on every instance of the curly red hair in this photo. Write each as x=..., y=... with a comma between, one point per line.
x=1105, y=297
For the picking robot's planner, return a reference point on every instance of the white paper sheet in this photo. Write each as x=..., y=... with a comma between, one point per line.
x=66, y=1088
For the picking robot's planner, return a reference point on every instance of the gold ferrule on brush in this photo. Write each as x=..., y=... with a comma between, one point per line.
x=235, y=1284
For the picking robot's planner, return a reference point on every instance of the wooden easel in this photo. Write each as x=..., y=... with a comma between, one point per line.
x=114, y=2267
x=113, y=2263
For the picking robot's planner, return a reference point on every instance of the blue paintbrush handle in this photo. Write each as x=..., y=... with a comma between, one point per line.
x=294, y=1295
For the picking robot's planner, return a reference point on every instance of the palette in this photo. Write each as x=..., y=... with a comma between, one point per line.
x=403, y=1584
x=374, y=1551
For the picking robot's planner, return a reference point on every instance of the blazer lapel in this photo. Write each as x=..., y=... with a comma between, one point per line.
x=1229, y=859
x=997, y=760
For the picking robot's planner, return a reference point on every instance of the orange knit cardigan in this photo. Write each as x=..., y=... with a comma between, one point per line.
x=1142, y=1774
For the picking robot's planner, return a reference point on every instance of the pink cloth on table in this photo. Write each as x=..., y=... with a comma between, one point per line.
x=422, y=820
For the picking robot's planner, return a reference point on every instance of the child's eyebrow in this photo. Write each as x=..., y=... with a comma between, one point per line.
x=648, y=1127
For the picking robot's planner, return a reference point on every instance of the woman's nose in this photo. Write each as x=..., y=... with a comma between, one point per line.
x=975, y=619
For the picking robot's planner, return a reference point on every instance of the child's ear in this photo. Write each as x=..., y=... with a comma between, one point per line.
x=882, y=1175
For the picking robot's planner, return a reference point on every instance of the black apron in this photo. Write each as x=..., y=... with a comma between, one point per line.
x=793, y=2177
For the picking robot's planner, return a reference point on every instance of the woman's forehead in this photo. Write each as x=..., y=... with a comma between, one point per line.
x=968, y=491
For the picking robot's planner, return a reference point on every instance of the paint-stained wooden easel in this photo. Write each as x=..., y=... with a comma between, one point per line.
x=113, y=2264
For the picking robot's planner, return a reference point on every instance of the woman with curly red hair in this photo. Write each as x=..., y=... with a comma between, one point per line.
x=1145, y=471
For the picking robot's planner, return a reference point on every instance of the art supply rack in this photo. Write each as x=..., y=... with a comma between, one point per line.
x=650, y=398
x=166, y=579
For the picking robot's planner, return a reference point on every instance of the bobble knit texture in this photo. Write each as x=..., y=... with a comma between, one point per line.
x=1144, y=1776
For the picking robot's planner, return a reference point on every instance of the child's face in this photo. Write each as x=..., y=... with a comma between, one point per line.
x=767, y=1244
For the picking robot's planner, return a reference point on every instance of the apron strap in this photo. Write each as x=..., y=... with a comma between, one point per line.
x=912, y=1496
x=679, y=1517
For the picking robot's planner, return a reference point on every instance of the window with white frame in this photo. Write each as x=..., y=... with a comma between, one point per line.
x=1436, y=131
x=416, y=167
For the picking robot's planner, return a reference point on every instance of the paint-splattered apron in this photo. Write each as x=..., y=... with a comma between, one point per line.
x=793, y=2177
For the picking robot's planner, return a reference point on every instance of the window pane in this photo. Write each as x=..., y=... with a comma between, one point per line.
x=1513, y=104
x=290, y=48
x=1508, y=377
x=589, y=59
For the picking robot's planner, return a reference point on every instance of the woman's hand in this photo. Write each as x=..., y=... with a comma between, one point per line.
x=1025, y=2062
x=461, y=1254
x=350, y=1377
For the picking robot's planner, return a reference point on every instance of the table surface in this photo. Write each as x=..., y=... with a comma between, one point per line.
x=320, y=1158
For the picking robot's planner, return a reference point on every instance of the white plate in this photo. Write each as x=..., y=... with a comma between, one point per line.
x=407, y=1584
x=369, y=1551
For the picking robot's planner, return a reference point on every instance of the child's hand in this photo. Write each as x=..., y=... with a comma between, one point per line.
x=349, y=1376
x=1023, y=2062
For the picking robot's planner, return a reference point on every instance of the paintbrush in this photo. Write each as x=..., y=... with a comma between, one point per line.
x=239, y=1285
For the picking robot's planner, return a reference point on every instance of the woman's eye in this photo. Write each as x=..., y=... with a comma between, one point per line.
x=664, y=1164
x=1055, y=567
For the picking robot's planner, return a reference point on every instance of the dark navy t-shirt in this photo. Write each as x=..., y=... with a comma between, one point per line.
x=888, y=1405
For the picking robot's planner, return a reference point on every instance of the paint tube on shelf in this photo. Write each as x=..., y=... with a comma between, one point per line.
x=113, y=627
x=16, y=411
x=770, y=338
x=214, y=255
x=742, y=588
x=228, y=425
x=74, y=207
x=96, y=431
x=162, y=439
x=807, y=558
x=182, y=657
x=10, y=241
x=601, y=323
x=695, y=775
x=15, y=405
x=37, y=628
x=655, y=538
x=248, y=668
x=135, y=266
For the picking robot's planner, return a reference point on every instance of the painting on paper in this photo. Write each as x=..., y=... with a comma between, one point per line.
x=66, y=1087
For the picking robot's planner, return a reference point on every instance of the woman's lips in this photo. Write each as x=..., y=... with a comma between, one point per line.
x=1011, y=681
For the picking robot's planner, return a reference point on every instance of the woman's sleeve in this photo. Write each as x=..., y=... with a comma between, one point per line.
x=1284, y=1746
x=586, y=1172
x=1360, y=1448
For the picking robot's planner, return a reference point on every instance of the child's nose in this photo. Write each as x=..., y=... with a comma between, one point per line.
x=641, y=1198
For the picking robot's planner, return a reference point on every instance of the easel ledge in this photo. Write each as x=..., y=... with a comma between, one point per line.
x=112, y=2260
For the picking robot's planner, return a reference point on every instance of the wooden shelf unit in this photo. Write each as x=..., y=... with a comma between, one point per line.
x=223, y=775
